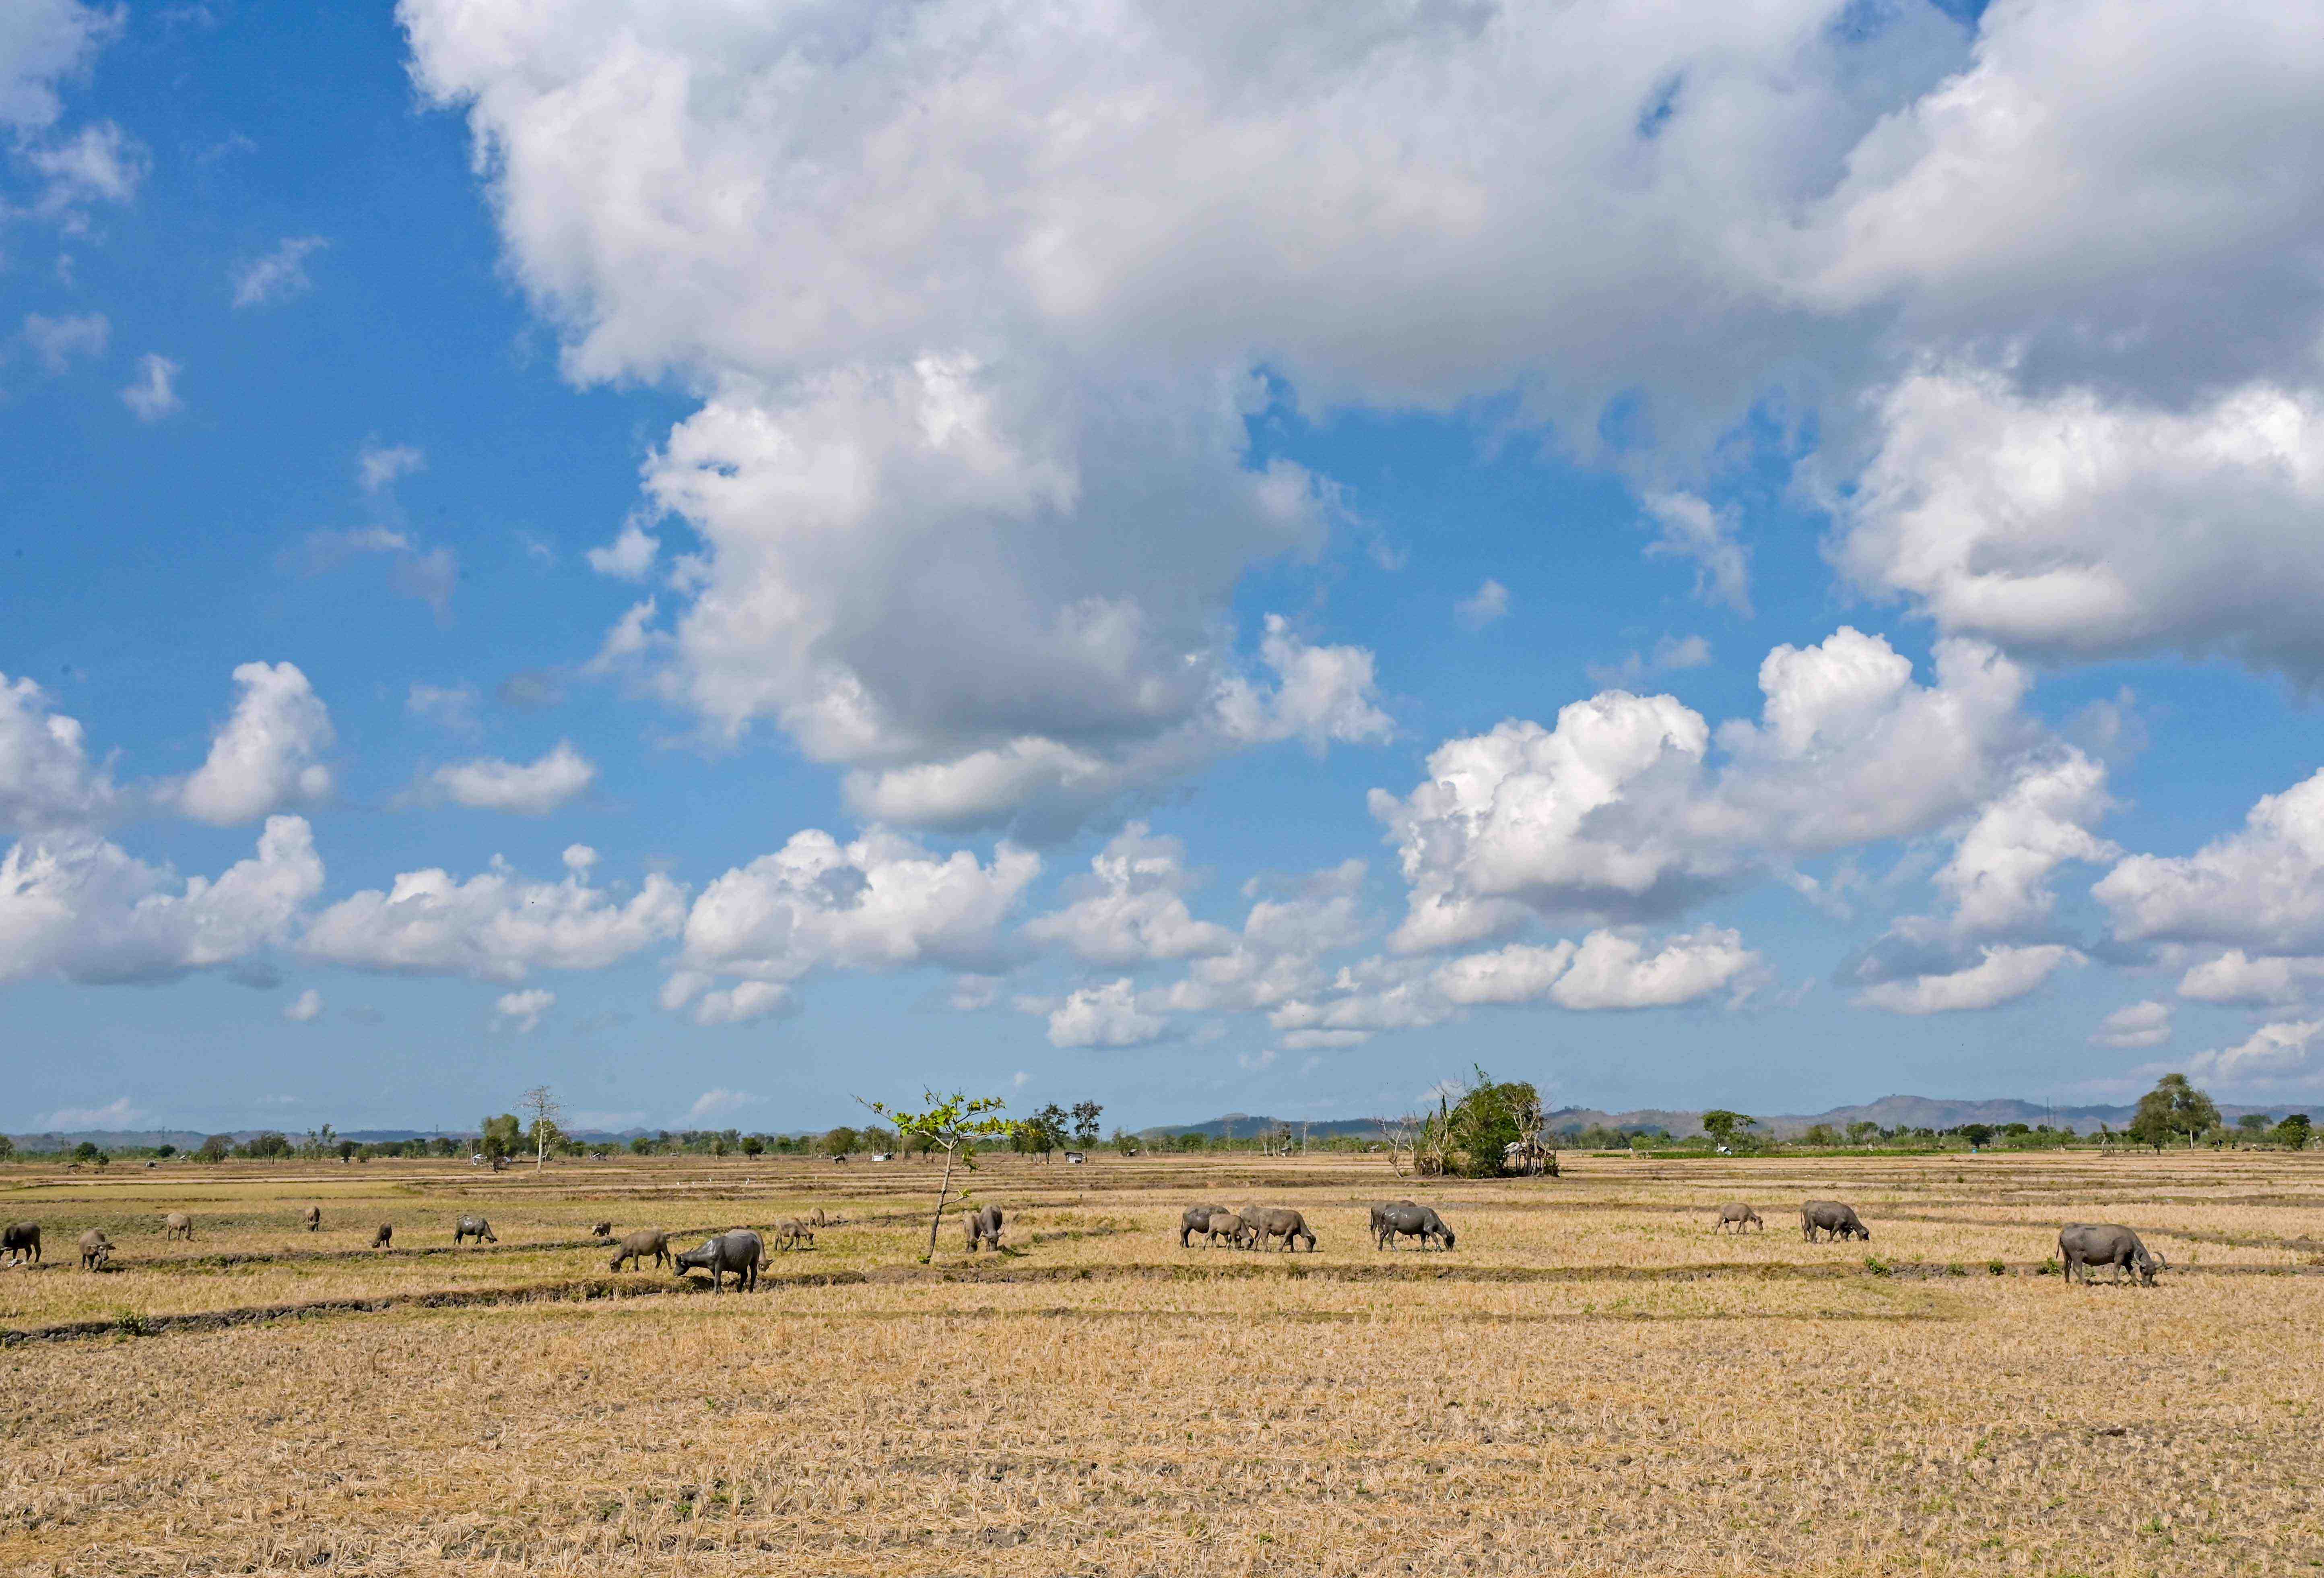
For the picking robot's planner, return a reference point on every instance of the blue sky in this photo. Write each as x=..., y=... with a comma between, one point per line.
x=725, y=558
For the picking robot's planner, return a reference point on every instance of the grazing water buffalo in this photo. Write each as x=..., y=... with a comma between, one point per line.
x=794, y=1235
x=1197, y=1219
x=2085, y=1244
x=1379, y=1212
x=1272, y=1221
x=1741, y=1215
x=472, y=1227
x=1832, y=1219
x=96, y=1248
x=637, y=1246
x=312, y=1217
x=737, y=1249
x=177, y=1224
x=20, y=1240
x=603, y=1232
x=384, y=1237
x=982, y=1227
x=1420, y=1222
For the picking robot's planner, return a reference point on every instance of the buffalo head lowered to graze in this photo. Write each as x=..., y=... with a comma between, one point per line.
x=737, y=1249
x=312, y=1217
x=982, y=1227
x=1420, y=1222
x=1832, y=1219
x=636, y=1248
x=177, y=1224
x=96, y=1248
x=472, y=1227
x=2085, y=1244
x=1741, y=1215
x=384, y=1237
x=1273, y=1222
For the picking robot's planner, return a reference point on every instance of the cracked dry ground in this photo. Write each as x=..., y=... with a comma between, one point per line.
x=1778, y=1409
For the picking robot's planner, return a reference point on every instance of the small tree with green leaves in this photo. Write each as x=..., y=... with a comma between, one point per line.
x=499, y=1139
x=2174, y=1107
x=1721, y=1125
x=2293, y=1133
x=1979, y=1135
x=1086, y=1117
x=2253, y=1125
x=952, y=1124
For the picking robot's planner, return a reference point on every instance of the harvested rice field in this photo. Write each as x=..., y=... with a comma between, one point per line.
x=1592, y=1380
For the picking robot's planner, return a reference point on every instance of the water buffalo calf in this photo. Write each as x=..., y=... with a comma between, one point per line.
x=384, y=1237
x=472, y=1227
x=794, y=1235
x=1832, y=1219
x=177, y=1224
x=2085, y=1244
x=737, y=1249
x=312, y=1217
x=96, y=1248
x=602, y=1232
x=1196, y=1219
x=1231, y=1225
x=1273, y=1222
x=1420, y=1222
x=982, y=1227
x=637, y=1246
x=1741, y=1215
x=20, y=1240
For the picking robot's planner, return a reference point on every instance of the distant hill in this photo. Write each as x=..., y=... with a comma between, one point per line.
x=1888, y=1111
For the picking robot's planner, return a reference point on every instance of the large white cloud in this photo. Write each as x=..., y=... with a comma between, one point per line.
x=2284, y=1052
x=1618, y=813
x=43, y=42
x=74, y=906
x=2260, y=888
x=496, y=926
x=2003, y=973
x=881, y=902
x=531, y=789
x=2075, y=524
x=1132, y=910
x=1107, y=1015
x=264, y=757
x=47, y=781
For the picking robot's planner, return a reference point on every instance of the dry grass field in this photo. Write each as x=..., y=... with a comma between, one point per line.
x=1592, y=1382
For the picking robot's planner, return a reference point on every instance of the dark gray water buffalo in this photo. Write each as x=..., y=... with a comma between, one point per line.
x=177, y=1224
x=312, y=1217
x=1273, y=1222
x=1832, y=1219
x=20, y=1240
x=472, y=1227
x=1379, y=1212
x=1196, y=1219
x=637, y=1246
x=602, y=1232
x=1741, y=1215
x=1420, y=1222
x=96, y=1248
x=2085, y=1244
x=982, y=1227
x=385, y=1236
x=737, y=1249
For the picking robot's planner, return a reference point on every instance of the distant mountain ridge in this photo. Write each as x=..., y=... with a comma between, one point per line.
x=1889, y=1111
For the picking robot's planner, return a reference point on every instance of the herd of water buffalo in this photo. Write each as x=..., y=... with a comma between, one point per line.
x=740, y=1250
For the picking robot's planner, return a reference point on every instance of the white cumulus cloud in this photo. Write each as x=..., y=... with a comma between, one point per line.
x=1105, y=1016
x=528, y=789
x=2137, y=1024
x=306, y=1009
x=496, y=926
x=279, y=275
x=522, y=1009
x=265, y=755
x=154, y=393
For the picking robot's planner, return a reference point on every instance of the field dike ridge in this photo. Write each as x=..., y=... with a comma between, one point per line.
x=589, y=1289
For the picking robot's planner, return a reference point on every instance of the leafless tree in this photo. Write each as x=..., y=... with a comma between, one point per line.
x=541, y=1104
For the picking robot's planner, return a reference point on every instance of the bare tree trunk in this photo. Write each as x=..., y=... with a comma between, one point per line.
x=943, y=1189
